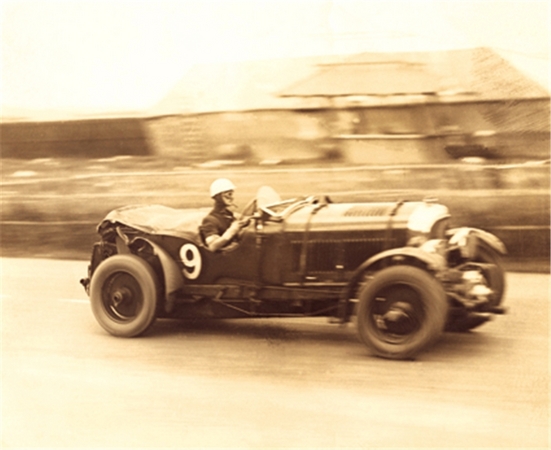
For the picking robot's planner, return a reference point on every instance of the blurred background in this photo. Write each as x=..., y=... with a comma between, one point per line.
x=111, y=103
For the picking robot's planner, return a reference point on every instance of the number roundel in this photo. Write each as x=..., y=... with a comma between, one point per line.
x=191, y=258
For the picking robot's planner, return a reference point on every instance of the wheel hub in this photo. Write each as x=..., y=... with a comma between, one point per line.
x=399, y=319
x=120, y=296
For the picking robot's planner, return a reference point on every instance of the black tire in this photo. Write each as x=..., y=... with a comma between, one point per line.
x=124, y=292
x=401, y=311
x=495, y=276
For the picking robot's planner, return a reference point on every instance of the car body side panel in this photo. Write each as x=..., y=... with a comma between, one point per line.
x=330, y=256
x=241, y=263
x=327, y=243
x=316, y=242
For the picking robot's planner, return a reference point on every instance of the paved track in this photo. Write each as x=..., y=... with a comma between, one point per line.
x=261, y=383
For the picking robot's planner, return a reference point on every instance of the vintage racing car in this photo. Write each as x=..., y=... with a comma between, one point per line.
x=396, y=268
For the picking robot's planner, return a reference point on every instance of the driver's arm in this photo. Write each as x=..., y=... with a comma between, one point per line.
x=215, y=242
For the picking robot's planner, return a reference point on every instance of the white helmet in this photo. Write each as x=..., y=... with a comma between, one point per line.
x=221, y=185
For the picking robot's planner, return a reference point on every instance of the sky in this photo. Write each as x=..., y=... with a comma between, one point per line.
x=120, y=55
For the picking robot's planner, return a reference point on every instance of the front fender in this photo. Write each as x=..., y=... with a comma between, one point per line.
x=432, y=261
x=403, y=255
x=456, y=234
x=172, y=276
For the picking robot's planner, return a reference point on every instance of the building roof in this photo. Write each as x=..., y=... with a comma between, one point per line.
x=477, y=73
x=351, y=78
x=380, y=78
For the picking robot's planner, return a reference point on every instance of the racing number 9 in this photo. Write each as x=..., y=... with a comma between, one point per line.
x=191, y=258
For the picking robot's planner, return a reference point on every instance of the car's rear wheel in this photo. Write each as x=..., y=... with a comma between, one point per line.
x=124, y=294
x=401, y=311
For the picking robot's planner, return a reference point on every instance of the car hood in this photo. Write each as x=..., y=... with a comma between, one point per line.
x=352, y=216
x=158, y=219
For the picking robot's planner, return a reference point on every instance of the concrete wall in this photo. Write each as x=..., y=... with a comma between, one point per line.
x=252, y=135
x=392, y=150
x=438, y=131
x=419, y=133
x=75, y=138
x=416, y=133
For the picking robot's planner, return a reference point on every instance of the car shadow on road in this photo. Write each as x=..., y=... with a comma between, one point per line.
x=283, y=330
x=473, y=344
x=470, y=344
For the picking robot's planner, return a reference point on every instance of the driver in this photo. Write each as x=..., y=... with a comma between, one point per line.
x=220, y=226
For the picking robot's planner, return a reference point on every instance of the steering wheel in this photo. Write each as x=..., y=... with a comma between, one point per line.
x=249, y=208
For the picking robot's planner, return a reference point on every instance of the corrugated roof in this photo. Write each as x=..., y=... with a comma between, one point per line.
x=361, y=78
x=480, y=73
x=381, y=78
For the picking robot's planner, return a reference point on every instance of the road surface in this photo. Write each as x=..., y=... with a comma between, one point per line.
x=261, y=383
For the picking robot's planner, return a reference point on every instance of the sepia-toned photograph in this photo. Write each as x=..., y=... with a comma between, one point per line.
x=275, y=224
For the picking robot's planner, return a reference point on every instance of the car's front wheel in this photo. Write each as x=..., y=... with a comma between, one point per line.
x=401, y=311
x=124, y=293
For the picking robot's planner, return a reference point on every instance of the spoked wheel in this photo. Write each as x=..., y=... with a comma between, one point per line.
x=124, y=294
x=401, y=311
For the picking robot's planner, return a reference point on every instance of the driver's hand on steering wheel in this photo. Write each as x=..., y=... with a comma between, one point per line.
x=235, y=227
x=244, y=222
